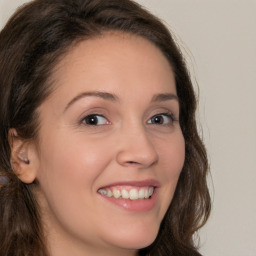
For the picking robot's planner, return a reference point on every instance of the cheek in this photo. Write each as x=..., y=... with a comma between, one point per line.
x=70, y=167
x=72, y=157
x=68, y=176
x=172, y=155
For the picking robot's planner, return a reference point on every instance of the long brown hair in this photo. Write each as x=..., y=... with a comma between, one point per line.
x=31, y=44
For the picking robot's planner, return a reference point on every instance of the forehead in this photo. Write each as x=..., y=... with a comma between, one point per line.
x=117, y=62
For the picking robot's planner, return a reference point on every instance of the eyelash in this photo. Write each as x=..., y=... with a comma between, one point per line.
x=95, y=119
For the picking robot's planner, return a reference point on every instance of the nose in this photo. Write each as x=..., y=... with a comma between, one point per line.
x=136, y=148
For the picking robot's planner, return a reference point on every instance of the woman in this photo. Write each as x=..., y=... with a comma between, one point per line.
x=100, y=153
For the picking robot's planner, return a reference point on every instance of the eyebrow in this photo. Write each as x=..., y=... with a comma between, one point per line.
x=164, y=97
x=111, y=97
x=102, y=95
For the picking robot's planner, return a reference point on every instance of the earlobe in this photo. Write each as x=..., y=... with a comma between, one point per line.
x=23, y=159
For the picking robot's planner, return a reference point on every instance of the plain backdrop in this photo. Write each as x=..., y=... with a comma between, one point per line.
x=218, y=38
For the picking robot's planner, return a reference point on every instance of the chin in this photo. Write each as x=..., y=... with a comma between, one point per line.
x=137, y=239
x=141, y=243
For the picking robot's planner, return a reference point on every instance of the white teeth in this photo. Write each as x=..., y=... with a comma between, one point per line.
x=109, y=193
x=141, y=194
x=133, y=194
x=146, y=193
x=125, y=194
x=102, y=191
x=116, y=193
x=151, y=191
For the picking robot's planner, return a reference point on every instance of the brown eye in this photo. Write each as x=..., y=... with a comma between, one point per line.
x=95, y=119
x=161, y=119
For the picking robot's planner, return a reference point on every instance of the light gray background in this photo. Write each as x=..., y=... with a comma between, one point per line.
x=219, y=40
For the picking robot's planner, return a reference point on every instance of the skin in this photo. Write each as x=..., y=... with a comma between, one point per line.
x=72, y=159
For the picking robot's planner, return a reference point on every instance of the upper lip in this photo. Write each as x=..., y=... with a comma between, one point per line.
x=135, y=183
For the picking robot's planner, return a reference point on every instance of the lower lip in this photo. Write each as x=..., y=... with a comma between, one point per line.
x=140, y=205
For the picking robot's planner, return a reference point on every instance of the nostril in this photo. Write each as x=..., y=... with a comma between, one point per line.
x=131, y=162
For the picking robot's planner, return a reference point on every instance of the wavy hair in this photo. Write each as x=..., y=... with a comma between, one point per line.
x=33, y=41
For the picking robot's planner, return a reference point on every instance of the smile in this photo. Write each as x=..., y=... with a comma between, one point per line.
x=132, y=193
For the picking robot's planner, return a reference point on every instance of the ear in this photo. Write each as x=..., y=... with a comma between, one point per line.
x=24, y=157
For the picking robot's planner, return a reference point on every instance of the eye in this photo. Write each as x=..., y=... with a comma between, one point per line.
x=95, y=119
x=161, y=119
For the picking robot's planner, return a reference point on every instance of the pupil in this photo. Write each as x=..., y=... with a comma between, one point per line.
x=92, y=120
x=158, y=119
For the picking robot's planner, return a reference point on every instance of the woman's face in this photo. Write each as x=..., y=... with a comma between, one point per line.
x=109, y=137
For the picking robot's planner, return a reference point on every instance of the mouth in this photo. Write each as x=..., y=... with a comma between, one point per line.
x=137, y=196
x=128, y=192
